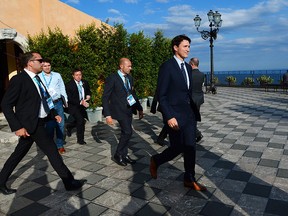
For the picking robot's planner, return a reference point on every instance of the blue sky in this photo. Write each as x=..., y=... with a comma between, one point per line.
x=253, y=36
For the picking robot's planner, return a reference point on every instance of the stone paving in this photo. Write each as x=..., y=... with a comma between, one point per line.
x=243, y=160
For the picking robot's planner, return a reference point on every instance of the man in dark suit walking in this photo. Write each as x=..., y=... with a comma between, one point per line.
x=197, y=92
x=78, y=92
x=27, y=107
x=119, y=101
x=179, y=111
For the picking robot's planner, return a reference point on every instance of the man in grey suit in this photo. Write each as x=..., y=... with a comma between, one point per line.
x=179, y=112
x=27, y=106
x=119, y=101
x=197, y=92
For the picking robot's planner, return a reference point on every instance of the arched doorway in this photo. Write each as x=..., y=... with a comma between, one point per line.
x=11, y=46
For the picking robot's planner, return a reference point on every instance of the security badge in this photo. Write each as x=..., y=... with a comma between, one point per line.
x=131, y=100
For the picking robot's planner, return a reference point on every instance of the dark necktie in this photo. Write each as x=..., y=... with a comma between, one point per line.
x=127, y=83
x=184, y=73
x=44, y=94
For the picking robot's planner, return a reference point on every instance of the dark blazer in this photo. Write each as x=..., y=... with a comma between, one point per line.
x=73, y=95
x=114, y=98
x=24, y=96
x=197, y=84
x=174, y=104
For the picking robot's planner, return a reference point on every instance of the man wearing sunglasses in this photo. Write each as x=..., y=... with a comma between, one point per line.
x=27, y=108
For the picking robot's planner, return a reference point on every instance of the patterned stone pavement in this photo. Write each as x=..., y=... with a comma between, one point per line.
x=243, y=160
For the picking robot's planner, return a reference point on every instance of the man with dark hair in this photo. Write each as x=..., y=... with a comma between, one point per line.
x=197, y=92
x=56, y=88
x=79, y=93
x=27, y=106
x=179, y=112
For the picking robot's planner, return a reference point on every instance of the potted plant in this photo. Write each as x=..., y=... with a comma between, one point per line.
x=231, y=80
x=94, y=111
x=248, y=81
x=264, y=80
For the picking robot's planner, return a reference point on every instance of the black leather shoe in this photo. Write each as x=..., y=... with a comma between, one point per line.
x=68, y=132
x=6, y=191
x=75, y=184
x=120, y=160
x=160, y=141
x=199, y=138
x=129, y=160
x=82, y=142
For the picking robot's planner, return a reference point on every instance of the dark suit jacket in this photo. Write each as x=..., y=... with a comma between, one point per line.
x=173, y=94
x=23, y=95
x=197, y=83
x=73, y=96
x=114, y=99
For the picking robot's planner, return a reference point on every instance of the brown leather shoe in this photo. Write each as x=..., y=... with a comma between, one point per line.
x=153, y=168
x=194, y=185
x=61, y=150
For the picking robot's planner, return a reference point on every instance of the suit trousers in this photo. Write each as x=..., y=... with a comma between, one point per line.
x=48, y=147
x=181, y=141
x=126, y=133
x=79, y=122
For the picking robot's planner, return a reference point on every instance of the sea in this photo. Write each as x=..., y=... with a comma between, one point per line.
x=276, y=75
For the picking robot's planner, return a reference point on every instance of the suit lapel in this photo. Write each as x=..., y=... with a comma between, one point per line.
x=120, y=81
x=32, y=84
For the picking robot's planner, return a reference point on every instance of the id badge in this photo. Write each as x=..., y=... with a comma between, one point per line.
x=50, y=103
x=131, y=100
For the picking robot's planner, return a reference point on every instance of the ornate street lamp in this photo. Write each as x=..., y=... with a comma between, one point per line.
x=215, y=23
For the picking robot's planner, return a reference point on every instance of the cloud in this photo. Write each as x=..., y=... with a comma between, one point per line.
x=104, y=1
x=162, y=1
x=73, y=1
x=131, y=1
x=114, y=11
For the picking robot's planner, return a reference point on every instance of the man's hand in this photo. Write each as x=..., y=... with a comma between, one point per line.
x=109, y=120
x=173, y=123
x=58, y=119
x=22, y=133
x=85, y=103
x=141, y=114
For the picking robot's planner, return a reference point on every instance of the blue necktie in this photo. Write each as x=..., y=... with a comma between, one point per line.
x=127, y=83
x=44, y=94
x=80, y=90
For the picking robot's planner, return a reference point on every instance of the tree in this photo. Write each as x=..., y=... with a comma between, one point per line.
x=161, y=51
x=55, y=46
x=140, y=56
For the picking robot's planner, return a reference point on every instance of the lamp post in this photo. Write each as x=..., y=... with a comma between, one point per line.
x=215, y=23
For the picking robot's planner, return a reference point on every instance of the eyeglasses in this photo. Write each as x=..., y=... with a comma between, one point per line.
x=39, y=60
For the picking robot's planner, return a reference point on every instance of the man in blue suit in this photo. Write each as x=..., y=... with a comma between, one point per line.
x=179, y=112
x=197, y=92
x=119, y=101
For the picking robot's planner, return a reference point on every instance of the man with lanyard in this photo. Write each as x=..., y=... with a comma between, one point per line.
x=56, y=88
x=119, y=101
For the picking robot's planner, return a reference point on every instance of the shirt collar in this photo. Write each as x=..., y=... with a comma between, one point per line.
x=30, y=73
x=179, y=61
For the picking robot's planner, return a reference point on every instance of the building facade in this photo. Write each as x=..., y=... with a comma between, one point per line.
x=20, y=18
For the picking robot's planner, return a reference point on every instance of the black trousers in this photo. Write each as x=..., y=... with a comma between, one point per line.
x=79, y=123
x=48, y=147
x=126, y=133
x=181, y=141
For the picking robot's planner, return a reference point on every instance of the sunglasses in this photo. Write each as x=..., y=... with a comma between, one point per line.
x=39, y=60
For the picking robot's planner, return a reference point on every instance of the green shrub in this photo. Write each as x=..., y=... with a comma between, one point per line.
x=263, y=79
x=248, y=81
x=230, y=80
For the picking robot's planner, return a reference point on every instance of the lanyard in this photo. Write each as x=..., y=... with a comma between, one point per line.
x=47, y=84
